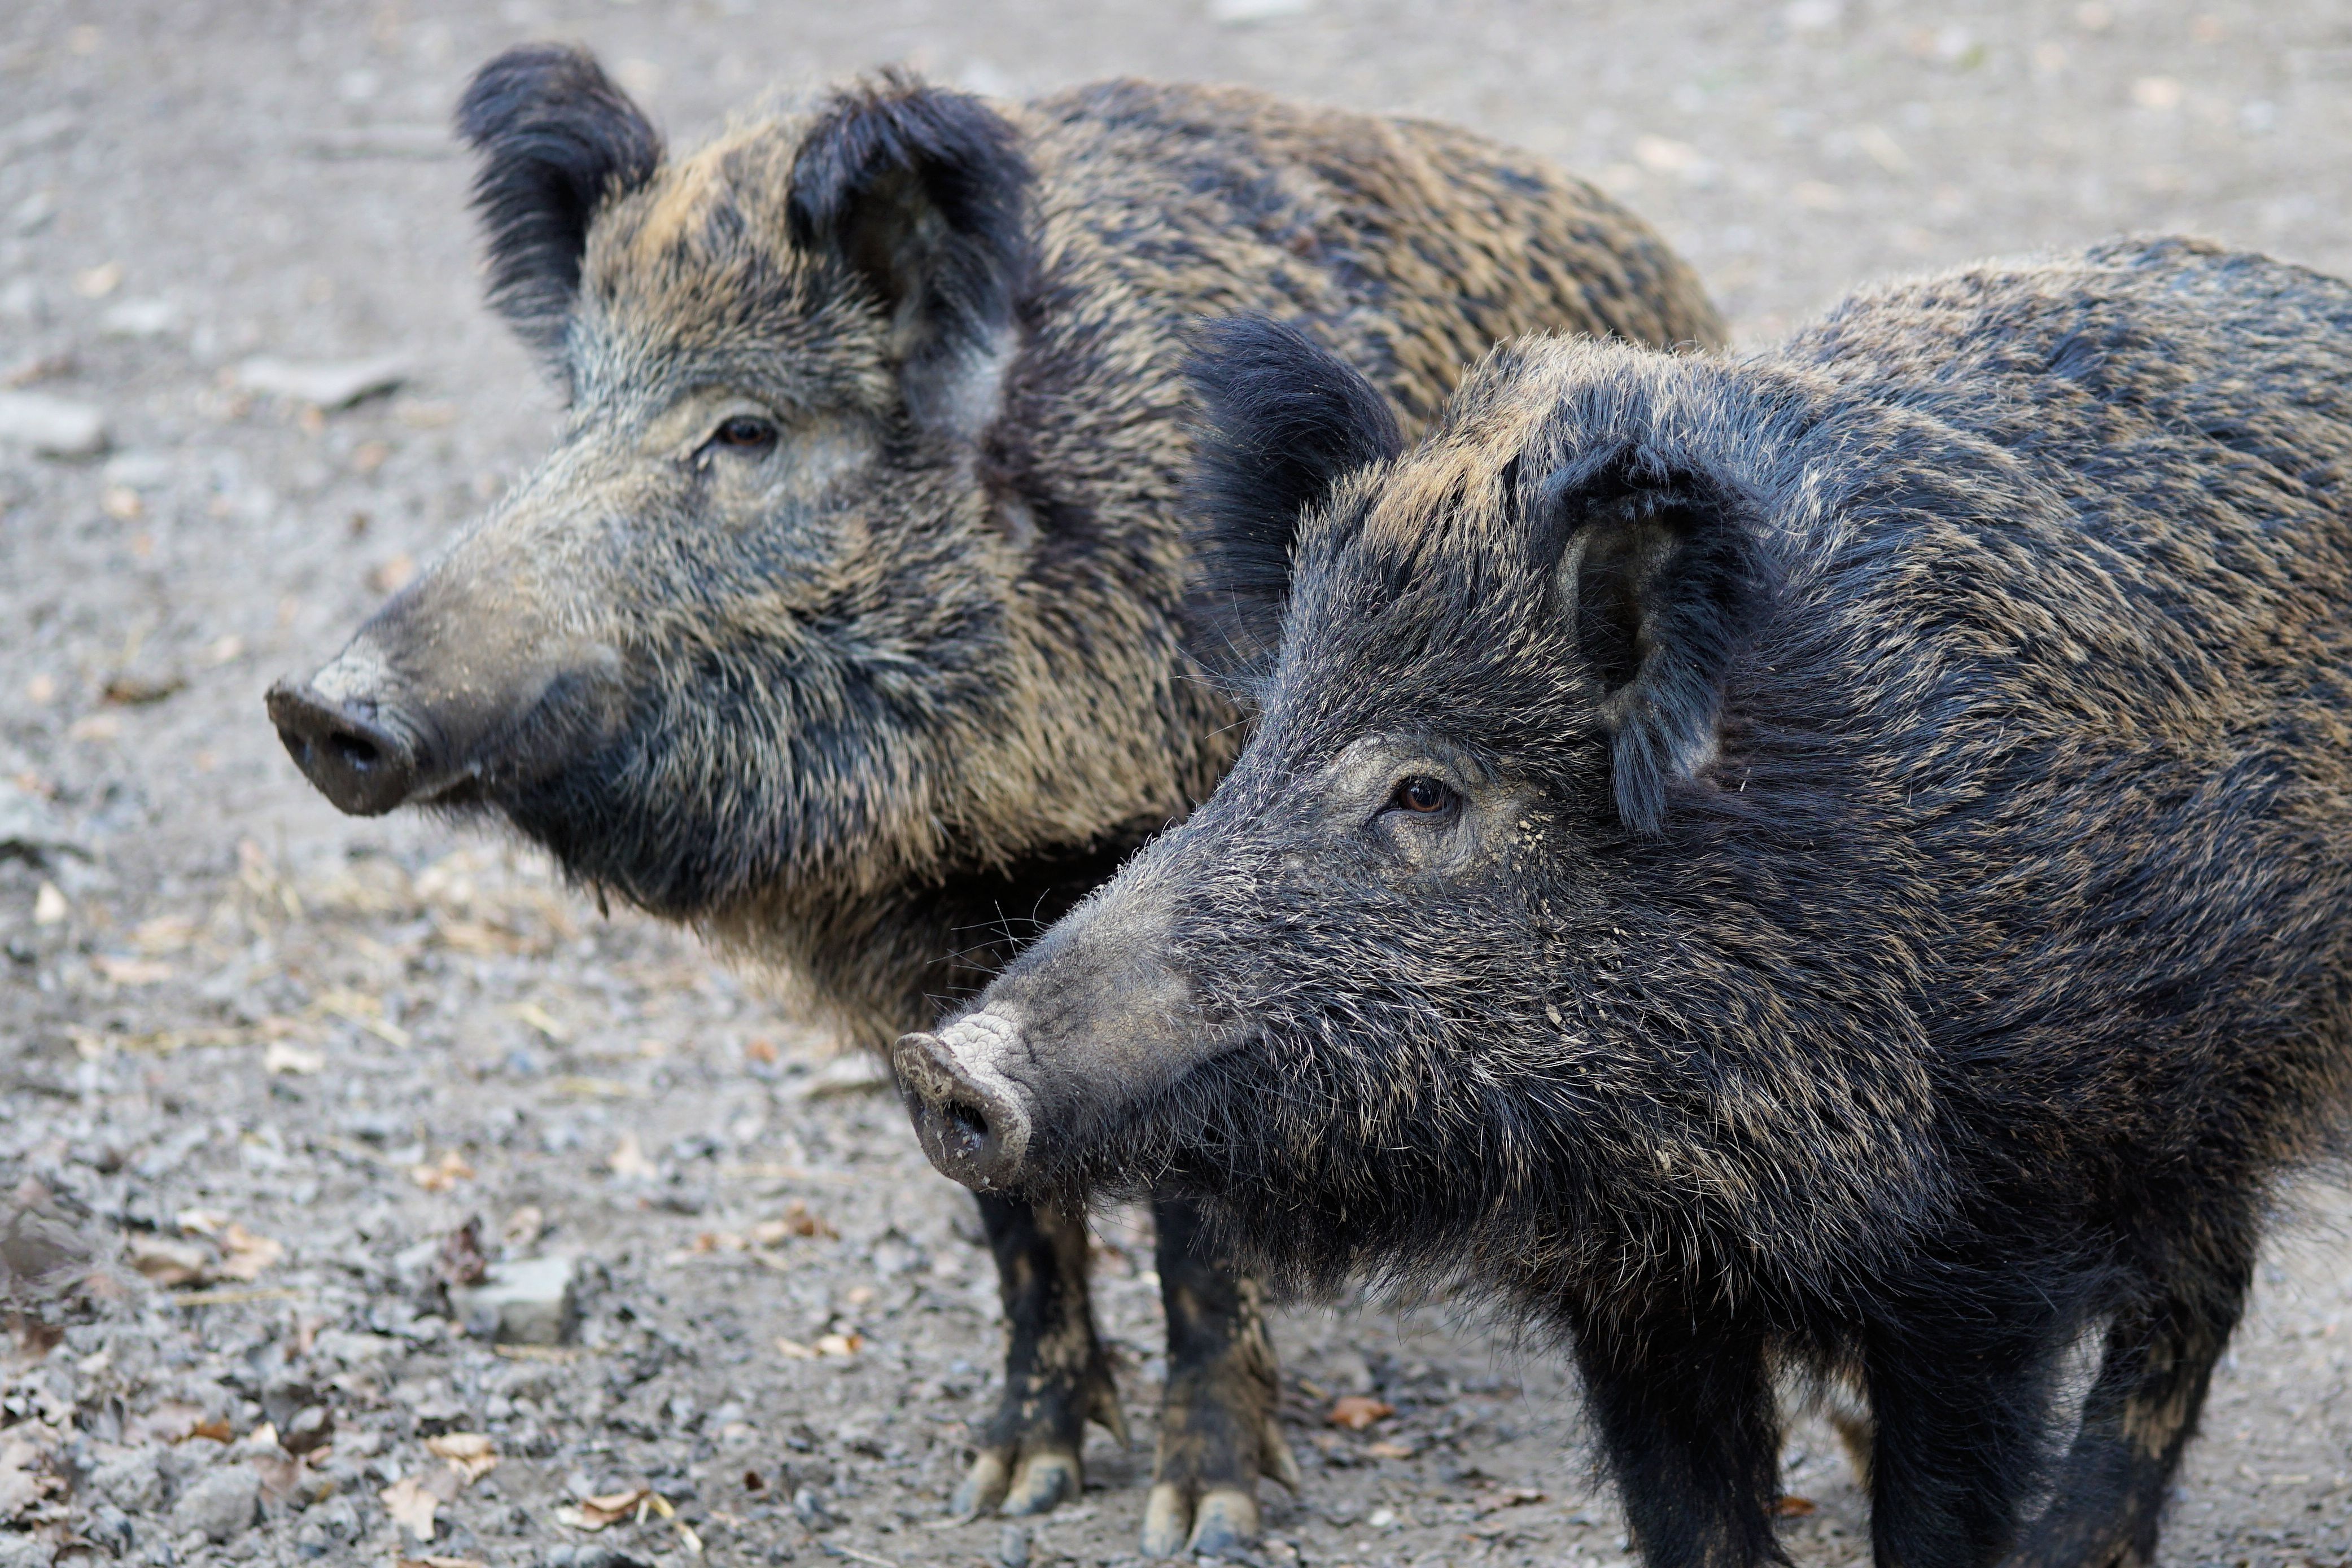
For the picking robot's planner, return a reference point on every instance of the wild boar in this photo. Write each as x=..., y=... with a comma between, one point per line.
x=1837, y=860
x=846, y=620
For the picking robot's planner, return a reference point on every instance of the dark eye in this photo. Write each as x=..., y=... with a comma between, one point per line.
x=1422, y=795
x=745, y=433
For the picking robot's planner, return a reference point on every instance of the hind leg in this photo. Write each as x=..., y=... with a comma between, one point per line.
x=1218, y=1430
x=1056, y=1375
x=2141, y=1412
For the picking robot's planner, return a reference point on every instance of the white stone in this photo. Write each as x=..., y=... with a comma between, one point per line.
x=221, y=1505
x=326, y=384
x=525, y=1302
x=138, y=319
x=52, y=426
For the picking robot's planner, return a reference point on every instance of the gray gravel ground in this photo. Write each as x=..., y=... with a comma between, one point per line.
x=259, y=1064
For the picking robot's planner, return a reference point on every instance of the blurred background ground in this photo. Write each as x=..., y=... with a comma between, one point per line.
x=259, y=1063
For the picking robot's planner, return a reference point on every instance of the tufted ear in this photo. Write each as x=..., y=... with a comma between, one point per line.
x=923, y=194
x=1283, y=421
x=557, y=139
x=1663, y=579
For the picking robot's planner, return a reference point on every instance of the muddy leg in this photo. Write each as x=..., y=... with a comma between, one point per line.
x=2140, y=1414
x=1218, y=1429
x=1056, y=1376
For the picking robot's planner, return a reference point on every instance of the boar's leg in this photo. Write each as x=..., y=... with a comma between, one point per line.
x=1690, y=1431
x=1961, y=1392
x=1218, y=1428
x=2139, y=1416
x=1056, y=1374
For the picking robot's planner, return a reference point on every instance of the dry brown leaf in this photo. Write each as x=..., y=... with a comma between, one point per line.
x=441, y=1175
x=167, y=1262
x=796, y=1220
x=411, y=1504
x=164, y=935
x=1794, y=1507
x=248, y=1256
x=523, y=1225
x=471, y=1452
x=1358, y=1411
x=1385, y=1449
x=835, y=1345
x=594, y=1513
x=438, y=1560
x=128, y=971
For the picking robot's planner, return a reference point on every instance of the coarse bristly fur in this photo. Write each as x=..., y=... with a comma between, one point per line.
x=847, y=618
x=1839, y=858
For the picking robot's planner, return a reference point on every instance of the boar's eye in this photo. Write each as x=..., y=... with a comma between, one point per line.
x=744, y=433
x=1423, y=796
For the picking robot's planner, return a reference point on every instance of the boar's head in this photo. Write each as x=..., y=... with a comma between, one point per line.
x=1456, y=957
x=752, y=606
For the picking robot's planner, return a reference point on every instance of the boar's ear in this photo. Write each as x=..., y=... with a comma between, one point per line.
x=1283, y=421
x=923, y=194
x=557, y=139
x=1662, y=578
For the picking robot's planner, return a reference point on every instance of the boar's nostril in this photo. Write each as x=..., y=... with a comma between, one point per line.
x=973, y=1125
x=972, y=1132
x=356, y=758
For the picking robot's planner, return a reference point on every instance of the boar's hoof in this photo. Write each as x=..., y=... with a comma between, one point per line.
x=970, y=1123
x=1224, y=1522
x=1038, y=1480
x=361, y=763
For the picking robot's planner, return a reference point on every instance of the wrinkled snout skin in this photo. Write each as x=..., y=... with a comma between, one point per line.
x=1093, y=1020
x=491, y=671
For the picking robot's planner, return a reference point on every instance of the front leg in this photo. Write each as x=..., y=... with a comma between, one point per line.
x=1218, y=1426
x=1056, y=1375
x=1691, y=1434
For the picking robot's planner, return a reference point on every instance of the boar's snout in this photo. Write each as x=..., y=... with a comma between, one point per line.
x=973, y=1122
x=350, y=744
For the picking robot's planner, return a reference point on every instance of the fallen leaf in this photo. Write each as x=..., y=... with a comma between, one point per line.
x=285, y=1056
x=796, y=1220
x=1384, y=1450
x=1358, y=1411
x=440, y=1175
x=439, y=1561
x=840, y=1345
x=539, y=1018
x=167, y=1262
x=392, y=576
x=164, y=935
x=760, y=1050
x=1794, y=1507
x=629, y=1161
x=201, y=1221
x=412, y=1502
x=25, y=1479
x=127, y=689
x=127, y=971
x=471, y=1452
x=594, y=1513
x=248, y=1256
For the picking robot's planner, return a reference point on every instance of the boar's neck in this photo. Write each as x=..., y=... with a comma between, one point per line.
x=877, y=966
